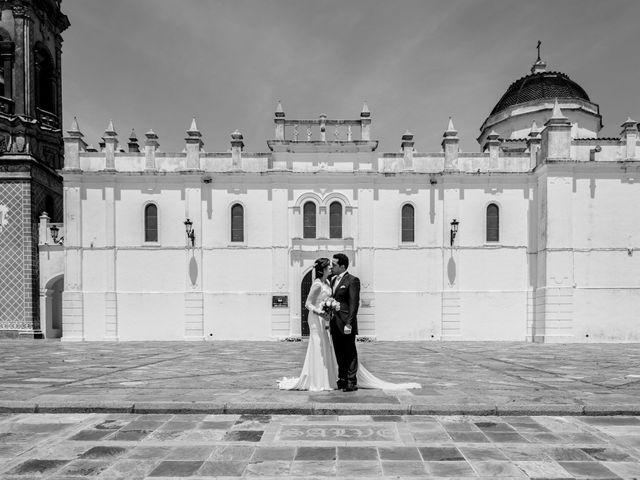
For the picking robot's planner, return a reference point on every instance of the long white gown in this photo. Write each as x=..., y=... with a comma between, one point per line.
x=320, y=369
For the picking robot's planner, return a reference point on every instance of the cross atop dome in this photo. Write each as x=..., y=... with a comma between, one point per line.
x=539, y=66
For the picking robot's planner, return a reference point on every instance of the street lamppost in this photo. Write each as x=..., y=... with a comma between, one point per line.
x=54, y=233
x=188, y=225
x=454, y=230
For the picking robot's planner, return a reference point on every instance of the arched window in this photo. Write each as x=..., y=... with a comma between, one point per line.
x=237, y=223
x=408, y=223
x=335, y=220
x=493, y=223
x=309, y=220
x=45, y=80
x=151, y=223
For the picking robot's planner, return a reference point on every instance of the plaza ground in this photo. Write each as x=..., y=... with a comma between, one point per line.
x=212, y=410
x=156, y=446
x=482, y=378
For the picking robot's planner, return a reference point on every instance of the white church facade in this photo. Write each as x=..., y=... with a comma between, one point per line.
x=534, y=238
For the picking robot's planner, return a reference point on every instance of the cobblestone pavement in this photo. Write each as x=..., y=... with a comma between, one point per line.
x=131, y=446
x=240, y=377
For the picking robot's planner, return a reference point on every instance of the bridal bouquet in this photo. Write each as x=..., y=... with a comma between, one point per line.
x=329, y=306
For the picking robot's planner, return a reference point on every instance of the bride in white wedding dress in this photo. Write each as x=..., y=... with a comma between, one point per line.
x=320, y=369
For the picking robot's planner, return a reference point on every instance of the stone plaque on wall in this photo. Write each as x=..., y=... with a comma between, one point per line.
x=280, y=301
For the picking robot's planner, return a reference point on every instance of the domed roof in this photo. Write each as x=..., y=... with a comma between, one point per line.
x=541, y=85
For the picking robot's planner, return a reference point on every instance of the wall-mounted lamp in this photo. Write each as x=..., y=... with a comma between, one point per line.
x=54, y=233
x=454, y=230
x=188, y=225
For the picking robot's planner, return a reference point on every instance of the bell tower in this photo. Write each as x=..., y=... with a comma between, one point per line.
x=31, y=151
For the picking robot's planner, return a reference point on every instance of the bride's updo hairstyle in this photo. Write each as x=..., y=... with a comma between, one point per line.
x=320, y=265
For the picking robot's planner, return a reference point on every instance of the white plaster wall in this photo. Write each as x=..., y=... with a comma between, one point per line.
x=129, y=211
x=150, y=316
x=409, y=286
x=94, y=315
x=493, y=315
x=93, y=216
x=607, y=315
x=151, y=271
x=233, y=316
x=93, y=270
x=606, y=260
x=605, y=206
x=519, y=124
x=408, y=316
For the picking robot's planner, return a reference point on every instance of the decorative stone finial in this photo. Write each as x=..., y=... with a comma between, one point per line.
x=407, y=149
x=133, y=144
x=152, y=139
x=451, y=130
x=493, y=135
x=450, y=127
x=365, y=110
x=193, y=129
x=450, y=146
x=151, y=134
x=279, y=110
x=74, y=131
x=535, y=131
x=407, y=139
x=236, y=148
x=110, y=131
x=236, y=135
x=557, y=112
x=629, y=136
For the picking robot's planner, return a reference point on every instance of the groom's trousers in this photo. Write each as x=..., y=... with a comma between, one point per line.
x=346, y=355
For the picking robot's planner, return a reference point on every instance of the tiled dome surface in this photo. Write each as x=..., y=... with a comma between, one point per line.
x=540, y=86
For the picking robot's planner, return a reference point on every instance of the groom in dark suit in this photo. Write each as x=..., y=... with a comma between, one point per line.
x=344, y=323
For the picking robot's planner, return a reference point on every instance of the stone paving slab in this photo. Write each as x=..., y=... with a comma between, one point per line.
x=202, y=446
x=471, y=378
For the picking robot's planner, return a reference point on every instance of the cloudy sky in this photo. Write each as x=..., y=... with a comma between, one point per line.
x=157, y=63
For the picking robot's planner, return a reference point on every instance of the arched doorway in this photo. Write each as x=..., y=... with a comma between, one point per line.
x=307, y=280
x=52, y=313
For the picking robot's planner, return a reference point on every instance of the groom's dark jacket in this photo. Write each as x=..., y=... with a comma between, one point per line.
x=347, y=292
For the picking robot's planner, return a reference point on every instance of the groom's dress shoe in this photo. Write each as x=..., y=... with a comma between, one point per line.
x=350, y=388
x=341, y=385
